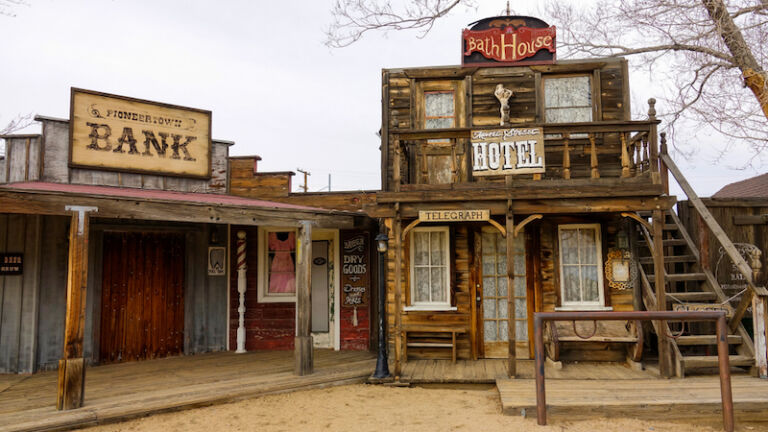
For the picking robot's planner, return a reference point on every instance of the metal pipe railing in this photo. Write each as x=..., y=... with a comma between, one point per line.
x=722, y=348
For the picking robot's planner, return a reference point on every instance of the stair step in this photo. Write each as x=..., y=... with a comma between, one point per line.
x=669, y=242
x=681, y=277
x=670, y=227
x=670, y=259
x=697, y=296
x=707, y=340
x=711, y=361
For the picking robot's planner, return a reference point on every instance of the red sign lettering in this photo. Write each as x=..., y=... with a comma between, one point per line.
x=509, y=45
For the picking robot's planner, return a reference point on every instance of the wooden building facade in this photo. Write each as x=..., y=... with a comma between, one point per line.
x=511, y=188
x=105, y=264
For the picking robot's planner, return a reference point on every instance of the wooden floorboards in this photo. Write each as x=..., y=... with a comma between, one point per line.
x=670, y=399
x=121, y=391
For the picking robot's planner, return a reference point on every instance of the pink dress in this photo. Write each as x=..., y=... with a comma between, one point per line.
x=282, y=271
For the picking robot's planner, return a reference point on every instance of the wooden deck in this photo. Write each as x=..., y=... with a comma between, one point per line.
x=121, y=391
x=671, y=399
x=491, y=370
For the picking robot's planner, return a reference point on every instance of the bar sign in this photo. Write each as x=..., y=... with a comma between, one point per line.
x=11, y=264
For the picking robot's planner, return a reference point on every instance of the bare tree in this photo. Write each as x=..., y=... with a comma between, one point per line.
x=16, y=124
x=7, y=6
x=708, y=53
x=708, y=50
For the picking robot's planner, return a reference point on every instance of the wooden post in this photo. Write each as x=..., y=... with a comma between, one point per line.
x=303, y=344
x=759, y=314
x=566, y=157
x=512, y=360
x=396, y=166
x=652, y=143
x=624, y=156
x=665, y=364
x=663, y=171
x=398, y=336
x=593, y=157
x=704, y=255
x=71, y=383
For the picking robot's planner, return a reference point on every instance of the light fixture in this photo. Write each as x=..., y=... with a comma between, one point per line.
x=382, y=243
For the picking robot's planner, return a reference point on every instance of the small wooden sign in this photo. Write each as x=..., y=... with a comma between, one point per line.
x=454, y=215
x=217, y=261
x=507, y=151
x=118, y=133
x=355, y=270
x=11, y=264
x=700, y=307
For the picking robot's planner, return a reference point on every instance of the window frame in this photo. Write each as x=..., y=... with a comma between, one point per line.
x=582, y=305
x=595, y=95
x=430, y=306
x=263, y=295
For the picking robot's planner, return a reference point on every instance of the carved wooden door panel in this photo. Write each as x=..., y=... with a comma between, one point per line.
x=142, y=298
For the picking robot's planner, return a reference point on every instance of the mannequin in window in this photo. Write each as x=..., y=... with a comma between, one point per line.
x=282, y=270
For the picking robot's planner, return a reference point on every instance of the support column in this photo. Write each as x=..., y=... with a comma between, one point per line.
x=665, y=360
x=241, y=287
x=398, y=336
x=71, y=383
x=512, y=333
x=302, y=350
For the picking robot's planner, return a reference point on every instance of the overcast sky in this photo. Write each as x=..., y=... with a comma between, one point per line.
x=260, y=67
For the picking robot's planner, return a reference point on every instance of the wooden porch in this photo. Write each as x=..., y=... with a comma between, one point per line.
x=691, y=399
x=121, y=391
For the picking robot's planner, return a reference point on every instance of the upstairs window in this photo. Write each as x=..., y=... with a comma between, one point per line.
x=568, y=99
x=439, y=110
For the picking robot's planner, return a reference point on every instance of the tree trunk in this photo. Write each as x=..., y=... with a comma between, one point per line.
x=753, y=73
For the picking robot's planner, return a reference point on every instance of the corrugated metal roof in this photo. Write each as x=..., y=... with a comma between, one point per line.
x=150, y=194
x=755, y=187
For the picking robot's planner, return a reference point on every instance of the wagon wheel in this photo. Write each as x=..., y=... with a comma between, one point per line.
x=635, y=351
x=551, y=343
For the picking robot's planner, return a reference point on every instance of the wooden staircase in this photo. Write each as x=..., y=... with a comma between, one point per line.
x=688, y=284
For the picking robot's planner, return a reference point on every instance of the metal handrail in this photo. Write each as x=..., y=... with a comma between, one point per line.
x=722, y=348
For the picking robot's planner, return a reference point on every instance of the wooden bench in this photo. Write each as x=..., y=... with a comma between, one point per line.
x=558, y=332
x=445, y=330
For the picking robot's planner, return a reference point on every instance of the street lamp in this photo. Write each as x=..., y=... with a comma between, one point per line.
x=382, y=366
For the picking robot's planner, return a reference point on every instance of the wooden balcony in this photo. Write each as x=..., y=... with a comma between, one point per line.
x=607, y=158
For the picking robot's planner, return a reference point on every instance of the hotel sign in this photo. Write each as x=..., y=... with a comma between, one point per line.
x=454, y=215
x=118, y=133
x=508, y=40
x=507, y=151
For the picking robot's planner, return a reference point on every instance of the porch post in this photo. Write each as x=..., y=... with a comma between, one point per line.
x=512, y=333
x=398, y=336
x=71, y=384
x=665, y=366
x=303, y=344
x=241, y=288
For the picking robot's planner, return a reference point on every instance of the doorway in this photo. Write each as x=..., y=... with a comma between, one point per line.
x=142, y=298
x=493, y=295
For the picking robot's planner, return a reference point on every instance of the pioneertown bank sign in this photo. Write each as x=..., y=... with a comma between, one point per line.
x=117, y=133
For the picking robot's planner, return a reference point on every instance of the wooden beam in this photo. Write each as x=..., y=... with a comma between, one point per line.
x=303, y=345
x=525, y=222
x=71, y=382
x=53, y=203
x=398, y=334
x=410, y=226
x=498, y=226
x=759, y=316
x=512, y=333
x=642, y=221
x=665, y=363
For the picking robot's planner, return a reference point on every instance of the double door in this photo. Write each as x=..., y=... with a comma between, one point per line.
x=493, y=294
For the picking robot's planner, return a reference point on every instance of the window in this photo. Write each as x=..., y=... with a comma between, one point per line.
x=581, y=278
x=439, y=113
x=568, y=99
x=277, y=265
x=430, y=268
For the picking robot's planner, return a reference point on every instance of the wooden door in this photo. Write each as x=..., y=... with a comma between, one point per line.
x=493, y=317
x=142, y=299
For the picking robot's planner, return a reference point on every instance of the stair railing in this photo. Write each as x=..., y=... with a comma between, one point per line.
x=755, y=295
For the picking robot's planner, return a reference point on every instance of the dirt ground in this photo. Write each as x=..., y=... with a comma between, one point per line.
x=362, y=408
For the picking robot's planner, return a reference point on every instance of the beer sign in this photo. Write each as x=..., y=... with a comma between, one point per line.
x=117, y=133
x=507, y=151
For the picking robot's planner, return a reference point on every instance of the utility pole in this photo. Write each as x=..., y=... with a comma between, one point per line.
x=306, y=174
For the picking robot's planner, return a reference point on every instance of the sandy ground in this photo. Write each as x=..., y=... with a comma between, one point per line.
x=372, y=408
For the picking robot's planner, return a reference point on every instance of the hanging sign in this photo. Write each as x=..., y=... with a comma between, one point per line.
x=109, y=132
x=11, y=264
x=454, y=215
x=508, y=40
x=355, y=270
x=507, y=151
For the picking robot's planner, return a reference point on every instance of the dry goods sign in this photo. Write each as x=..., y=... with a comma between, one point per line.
x=507, y=151
x=118, y=133
x=355, y=270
